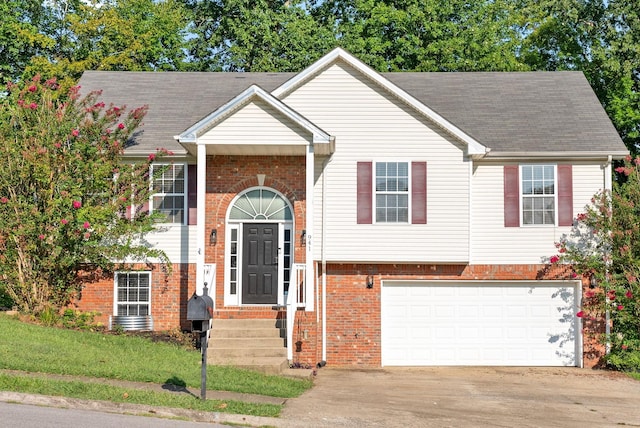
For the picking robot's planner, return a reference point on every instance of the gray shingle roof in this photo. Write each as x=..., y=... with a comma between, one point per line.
x=532, y=112
x=518, y=112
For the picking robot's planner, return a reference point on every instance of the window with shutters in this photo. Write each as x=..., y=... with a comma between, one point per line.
x=538, y=189
x=169, y=190
x=133, y=293
x=392, y=192
x=538, y=195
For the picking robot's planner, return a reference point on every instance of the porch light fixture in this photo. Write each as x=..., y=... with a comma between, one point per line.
x=213, y=237
x=303, y=237
x=369, y=281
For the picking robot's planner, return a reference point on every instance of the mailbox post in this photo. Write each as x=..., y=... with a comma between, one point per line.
x=200, y=313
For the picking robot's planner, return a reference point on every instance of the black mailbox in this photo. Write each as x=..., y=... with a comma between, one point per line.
x=199, y=312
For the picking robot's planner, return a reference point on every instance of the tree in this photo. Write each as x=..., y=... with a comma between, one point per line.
x=416, y=35
x=116, y=35
x=20, y=38
x=604, y=247
x=65, y=192
x=241, y=35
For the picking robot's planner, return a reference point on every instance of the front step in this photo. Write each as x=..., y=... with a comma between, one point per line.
x=255, y=344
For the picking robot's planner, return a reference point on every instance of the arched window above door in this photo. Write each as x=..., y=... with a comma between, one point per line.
x=260, y=204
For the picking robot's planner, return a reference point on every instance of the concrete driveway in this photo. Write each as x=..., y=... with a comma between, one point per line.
x=466, y=397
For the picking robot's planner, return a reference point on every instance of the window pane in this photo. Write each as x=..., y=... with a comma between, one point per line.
x=133, y=293
x=538, y=182
x=392, y=191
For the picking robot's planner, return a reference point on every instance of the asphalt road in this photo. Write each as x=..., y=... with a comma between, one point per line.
x=16, y=415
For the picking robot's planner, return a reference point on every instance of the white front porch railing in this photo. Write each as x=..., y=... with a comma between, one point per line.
x=296, y=298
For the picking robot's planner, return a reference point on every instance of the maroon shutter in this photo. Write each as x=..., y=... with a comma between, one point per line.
x=418, y=193
x=511, y=196
x=192, y=193
x=565, y=195
x=365, y=193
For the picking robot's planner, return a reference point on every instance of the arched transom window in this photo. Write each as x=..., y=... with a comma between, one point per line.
x=260, y=204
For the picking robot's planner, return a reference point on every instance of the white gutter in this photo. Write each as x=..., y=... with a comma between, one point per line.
x=551, y=155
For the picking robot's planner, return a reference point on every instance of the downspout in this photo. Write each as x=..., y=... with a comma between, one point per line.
x=608, y=185
x=324, y=259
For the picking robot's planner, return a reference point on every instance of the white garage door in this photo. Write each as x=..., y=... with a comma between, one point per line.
x=472, y=323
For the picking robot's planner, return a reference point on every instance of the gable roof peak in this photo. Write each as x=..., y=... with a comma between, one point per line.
x=474, y=147
x=254, y=91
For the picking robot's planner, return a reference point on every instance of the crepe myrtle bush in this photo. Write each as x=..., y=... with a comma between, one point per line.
x=66, y=193
x=604, y=246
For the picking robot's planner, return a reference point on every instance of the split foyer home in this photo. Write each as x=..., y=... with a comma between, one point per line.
x=363, y=218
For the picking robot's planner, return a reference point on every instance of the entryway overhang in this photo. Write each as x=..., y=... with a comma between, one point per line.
x=258, y=124
x=276, y=130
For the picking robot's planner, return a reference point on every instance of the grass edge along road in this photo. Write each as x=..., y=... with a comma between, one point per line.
x=49, y=350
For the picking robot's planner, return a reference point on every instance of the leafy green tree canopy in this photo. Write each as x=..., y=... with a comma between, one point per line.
x=65, y=192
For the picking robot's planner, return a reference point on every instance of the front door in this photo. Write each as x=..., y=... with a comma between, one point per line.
x=260, y=258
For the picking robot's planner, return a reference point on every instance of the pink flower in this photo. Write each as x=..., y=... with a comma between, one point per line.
x=33, y=88
x=57, y=145
x=152, y=157
x=611, y=295
x=589, y=293
x=75, y=132
x=580, y=314
x=86, y=225
x=4, y=199
x=624, y=347
x=629, y=294
x=620, y=307
x=41, y=237
x=581, y=217
x=554, y=259
x=33, y=106
x=77, y=204
x=121, y=126
x=87, y=235
x=64, y=221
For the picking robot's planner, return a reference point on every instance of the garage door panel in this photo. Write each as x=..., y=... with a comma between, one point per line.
x=469, y=324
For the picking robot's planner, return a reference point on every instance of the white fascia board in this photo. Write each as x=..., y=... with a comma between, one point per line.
x=191, y=135
x=473, y=146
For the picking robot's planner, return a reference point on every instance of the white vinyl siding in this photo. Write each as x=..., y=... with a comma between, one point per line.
x=178, y=242
x=257, y=123
x=370, y=125
x=493, y=243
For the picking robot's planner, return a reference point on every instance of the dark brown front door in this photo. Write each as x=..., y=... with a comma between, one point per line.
x=260, y=264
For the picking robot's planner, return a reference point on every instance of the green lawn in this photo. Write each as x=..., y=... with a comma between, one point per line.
x=39, y=349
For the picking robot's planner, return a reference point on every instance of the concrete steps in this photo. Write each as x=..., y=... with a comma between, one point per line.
x=255, y=344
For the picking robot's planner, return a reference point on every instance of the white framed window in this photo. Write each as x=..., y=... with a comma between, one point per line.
x=392, y=192
x=538, y=189
x=132, y=293
x=169, y=192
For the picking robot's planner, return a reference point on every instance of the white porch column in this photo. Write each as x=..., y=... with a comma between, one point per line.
x=201, y=229
x=309, y=274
